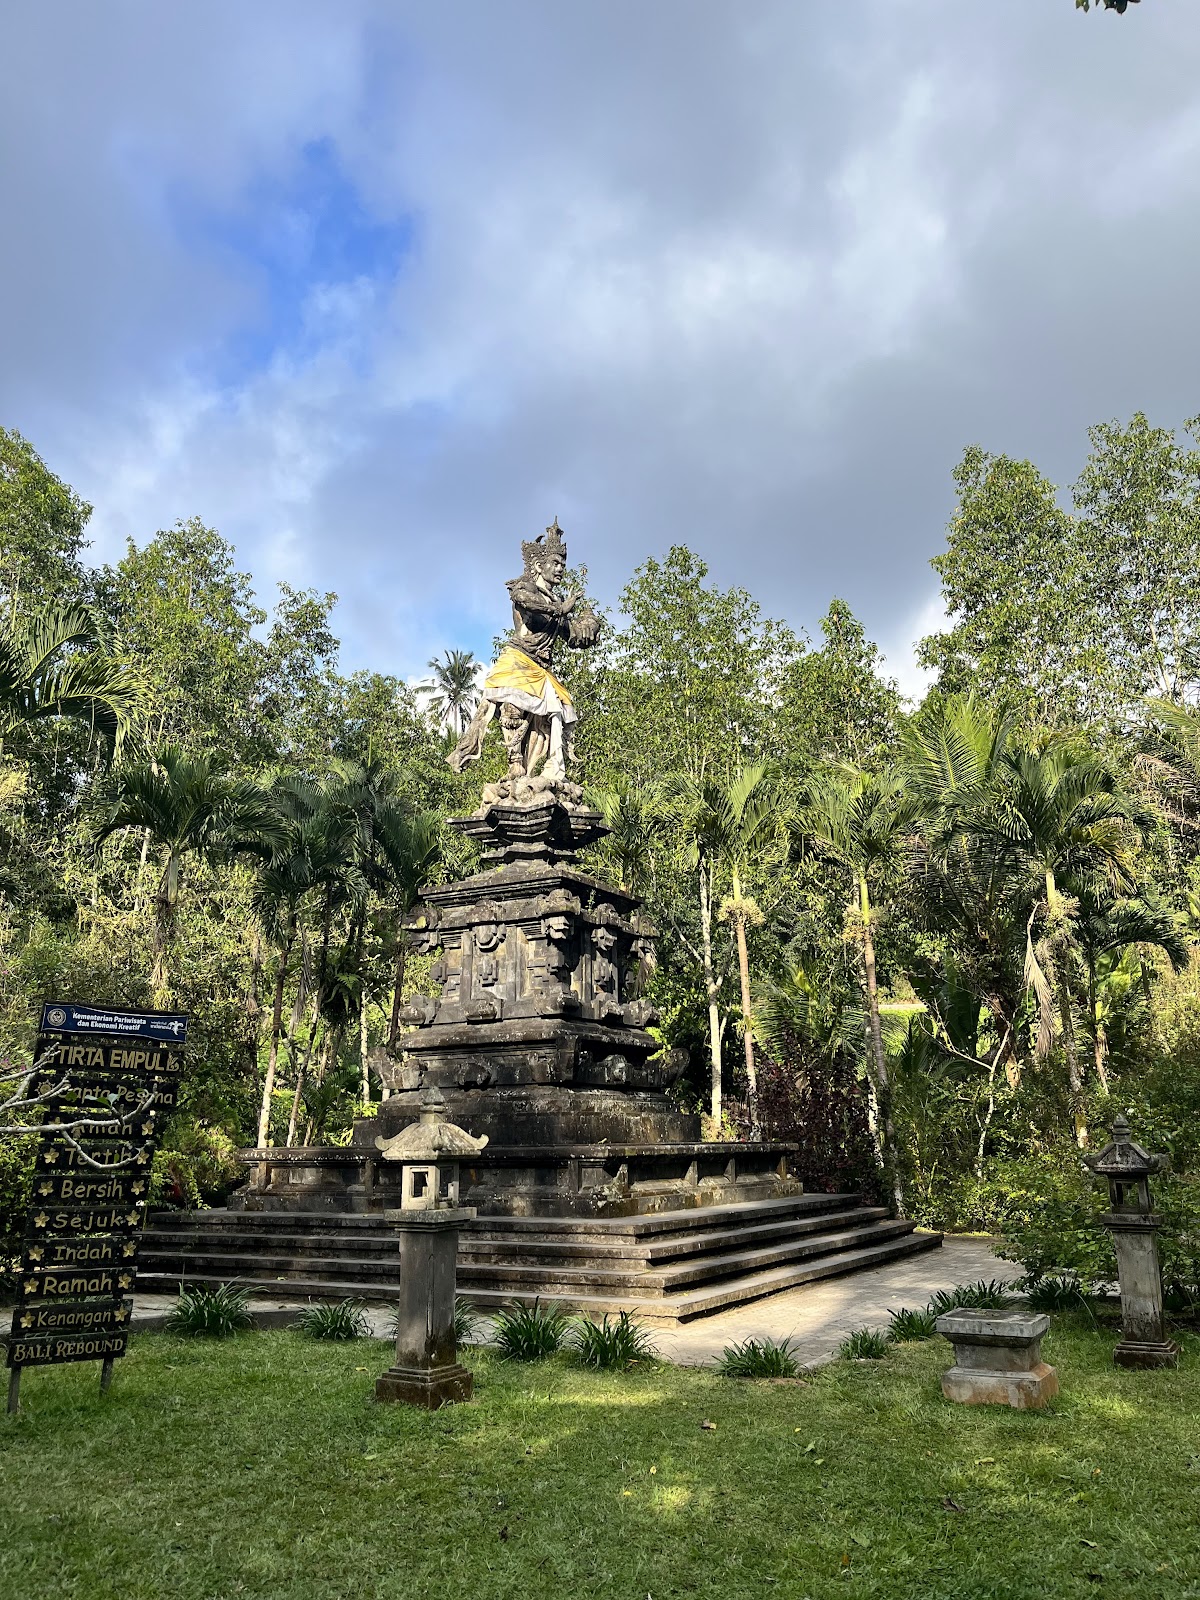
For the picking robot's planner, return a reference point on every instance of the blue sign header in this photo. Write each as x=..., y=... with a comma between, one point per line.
x=168, y=1025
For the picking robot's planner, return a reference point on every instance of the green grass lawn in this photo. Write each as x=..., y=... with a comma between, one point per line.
x=262, y=1467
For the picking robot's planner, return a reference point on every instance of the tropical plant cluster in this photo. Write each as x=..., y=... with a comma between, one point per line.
x=937, y=945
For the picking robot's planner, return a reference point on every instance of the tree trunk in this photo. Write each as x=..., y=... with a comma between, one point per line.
x=303, y=1068
x=164, y=913
x=1074, y=1075
x=887, y=1132
x=1099, y=1035
x=739, y=923
x=363, y=1059
x=714, y=1012
x=264, y=1114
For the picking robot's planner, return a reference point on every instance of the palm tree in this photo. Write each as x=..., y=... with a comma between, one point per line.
x=58, y=662
x=185, y=807
x=728, y=827
x=453, y=687
x=315, y=857
x=410, y=849
x=1104, y=932
x=632, y=816
x=860, y=820
x=1032, y=820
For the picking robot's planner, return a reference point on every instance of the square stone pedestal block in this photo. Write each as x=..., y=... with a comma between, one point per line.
x=997, y=1359
x=427, y=1388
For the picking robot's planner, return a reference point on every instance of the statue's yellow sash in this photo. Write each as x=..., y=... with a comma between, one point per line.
x=515, y=670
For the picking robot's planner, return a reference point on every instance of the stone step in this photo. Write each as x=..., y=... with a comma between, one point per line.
x=557, y=1280
x=673, y=1247
x=668, y=1266
x=656, y=1313
x=673, y=1309
x=696, y=1219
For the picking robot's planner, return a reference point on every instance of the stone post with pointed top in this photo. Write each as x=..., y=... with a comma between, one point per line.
x=1134, y=1228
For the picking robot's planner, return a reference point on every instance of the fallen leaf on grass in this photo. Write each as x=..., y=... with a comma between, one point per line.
x=950, y=1505
x=1089, y=1544
x=708, y=1427
x=653, y=1470
x=986, y=1461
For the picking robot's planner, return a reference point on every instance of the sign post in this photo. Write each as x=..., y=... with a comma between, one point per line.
x=105, y=1080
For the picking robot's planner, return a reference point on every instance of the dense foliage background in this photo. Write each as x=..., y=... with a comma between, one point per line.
x=938, y=946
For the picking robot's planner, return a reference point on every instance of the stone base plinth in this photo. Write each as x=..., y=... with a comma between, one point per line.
x=1024, y=1391
x=429, y=1389
x=997, y=1358
x=1142, y=1354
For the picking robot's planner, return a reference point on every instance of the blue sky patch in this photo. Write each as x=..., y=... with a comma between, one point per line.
x=290, y=235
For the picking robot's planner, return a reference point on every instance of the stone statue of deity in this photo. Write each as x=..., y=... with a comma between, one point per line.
x=536, y=712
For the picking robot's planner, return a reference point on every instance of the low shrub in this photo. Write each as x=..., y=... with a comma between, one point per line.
x=531, y=1333
x=864, y=1344
x=908, y=1326
x=467, y=1321
x=759, y=1358
x=1055, y=1292
x=990, y=1295
x=203, y=1312
x=345, y=1320
x=621, y=1343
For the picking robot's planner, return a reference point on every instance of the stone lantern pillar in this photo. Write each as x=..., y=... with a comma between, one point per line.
x=426, y=1371
x=1133, y=1226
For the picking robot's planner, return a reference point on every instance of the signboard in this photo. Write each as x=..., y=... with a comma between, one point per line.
x=105, y=1081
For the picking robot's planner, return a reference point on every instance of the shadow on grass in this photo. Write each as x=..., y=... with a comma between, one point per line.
x=262, y=1466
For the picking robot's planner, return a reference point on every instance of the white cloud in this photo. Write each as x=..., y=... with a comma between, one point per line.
x=742, y=278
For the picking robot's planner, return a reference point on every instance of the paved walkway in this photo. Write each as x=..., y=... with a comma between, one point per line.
x=816, y=1318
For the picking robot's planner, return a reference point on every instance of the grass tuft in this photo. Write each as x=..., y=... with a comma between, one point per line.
x=864, y=1344
x=206, y=1313
x=909, y=1326
x=618, y=1344
x=531, y=1333
x=759, y=1358
x=345, y=1320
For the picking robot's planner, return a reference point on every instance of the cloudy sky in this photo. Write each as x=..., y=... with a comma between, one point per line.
x=379, y=287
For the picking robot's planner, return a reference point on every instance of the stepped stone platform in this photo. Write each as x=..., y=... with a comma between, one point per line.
x=665, y=1266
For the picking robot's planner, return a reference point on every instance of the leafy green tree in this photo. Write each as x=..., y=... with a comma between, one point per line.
x=42, y=522
x=1008, y=580
x=1075, y=617
x=188, y=619
x=185, y=807
x=835, y=704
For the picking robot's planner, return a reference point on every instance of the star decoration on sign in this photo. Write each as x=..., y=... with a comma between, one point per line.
x=36, y=1252
x=45, y=1188
x=51, y=1157
x=40, y=1220
x=129, y=1247
x=124, y=1279
x=26, y=1320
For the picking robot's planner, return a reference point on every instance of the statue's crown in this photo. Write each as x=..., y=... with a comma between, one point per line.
x=546, y=544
